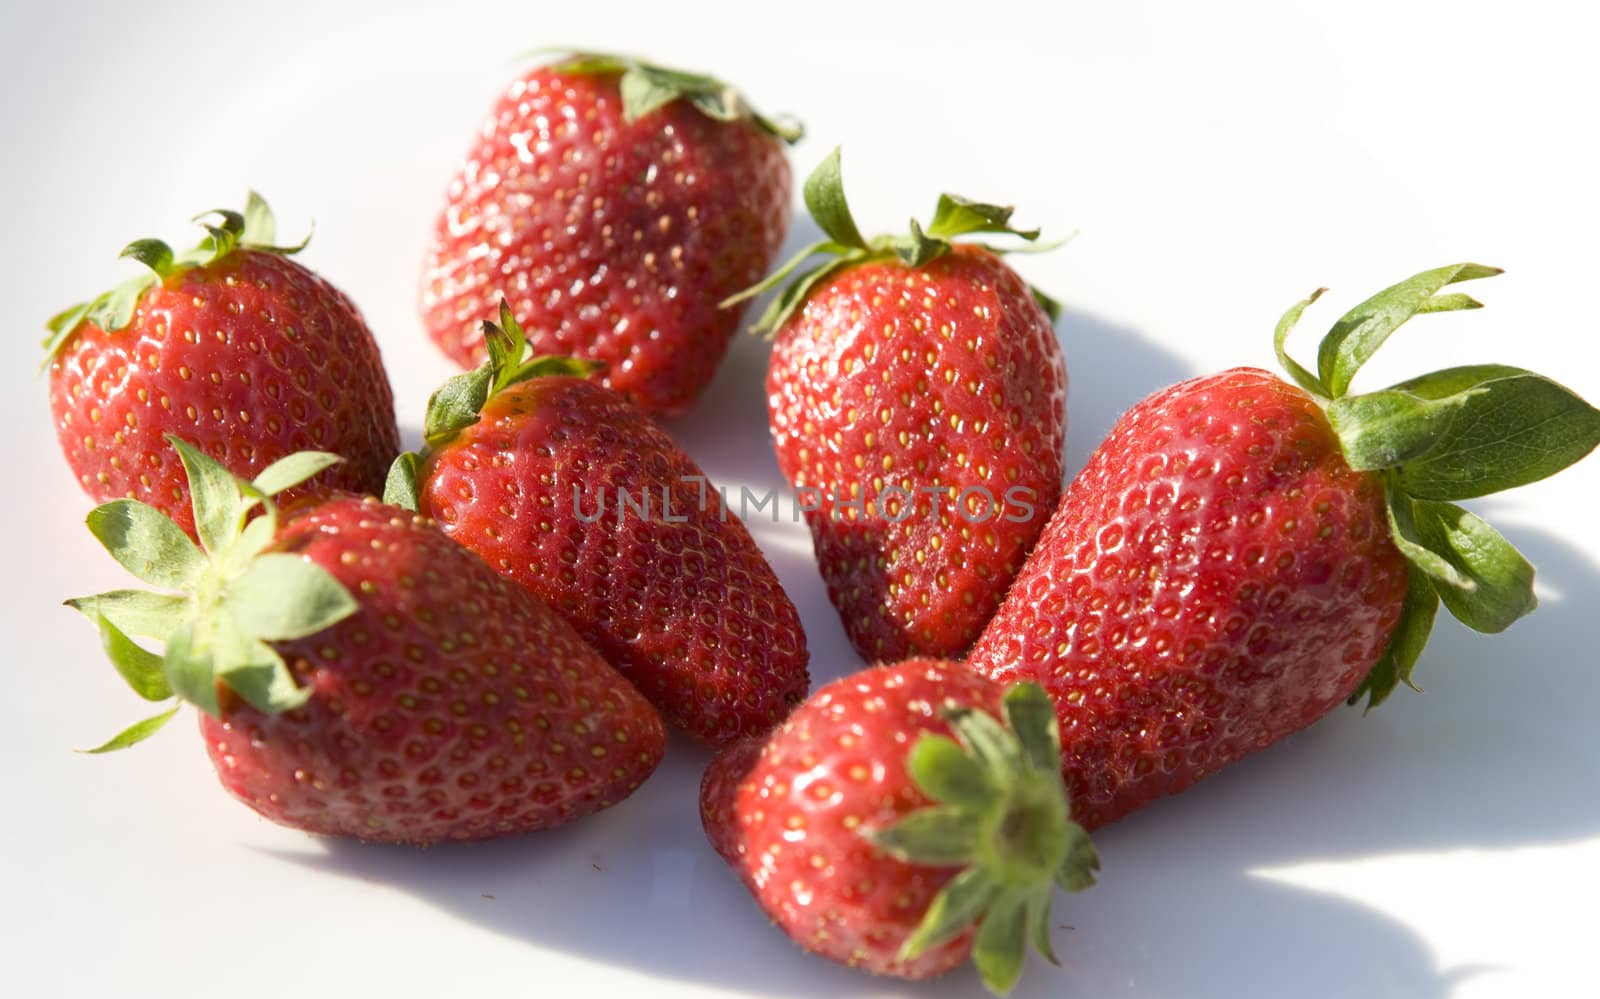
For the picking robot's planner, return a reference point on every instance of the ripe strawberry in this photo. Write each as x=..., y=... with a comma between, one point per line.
x=564, y=486
x=833, y=826
x=230, y=345
x=917, y=398
x=614, y=203
x=360, y=674
x=1241, y=554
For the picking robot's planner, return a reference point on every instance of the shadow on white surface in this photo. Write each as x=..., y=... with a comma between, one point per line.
x=1182, y=909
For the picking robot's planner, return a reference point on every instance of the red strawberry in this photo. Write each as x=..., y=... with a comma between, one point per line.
x=230, y=345
x=917, y=398
x=361, y=674
x=564, y=486
x=1241, y=555
x=874, y=839
x=614, y=203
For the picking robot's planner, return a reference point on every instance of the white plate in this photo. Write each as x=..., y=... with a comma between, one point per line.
x=1220, y=160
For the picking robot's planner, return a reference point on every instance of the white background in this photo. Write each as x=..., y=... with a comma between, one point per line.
x=1220, y=160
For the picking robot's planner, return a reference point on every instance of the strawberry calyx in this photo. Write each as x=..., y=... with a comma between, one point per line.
x=228, y=597
x=226, y=230
x=458, y=403
x=953, y=217
x=646, y=86
x=1454, y=434
x=1001, y=809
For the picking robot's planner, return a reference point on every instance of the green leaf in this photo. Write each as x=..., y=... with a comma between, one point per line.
x=506, y=343
x=219, y=507
x=1051, y=307
x=549, y=366
x=1501, y=578
x=61, y=326
x=940, y=835
x=229, y=222
x=456, y=405
x=1454, y=302
x=65, y=321
x=256, y=672
x=1405, y=644
x=824, y=195
x=794, y=294
x=1388, y=428
x=718, y=105
x=683, y=79
x=954, y=217
x=255, y=536
x=825, y=199
x=1082, y=860
x=986, y=739
x=954, y=909
x=943, y=771
x=1508, y=428
x=720, y=102
x=260, y=228
x=1280, y=340
x=1407, y=536
x=643, y=93
x=140, y=667
x=957, y=216
x=1031, y=716
x=787, y=128
x=403, y=488
x=1361, y=331
x=581, y=63
x=781, y=275
x=459, y=402
x=1038, y=914
x=292, y=470
x=136, y=612
x=1028, y=249
x=1450, y=381
x=646, y=86
x=265, y=683
x=146, y=543
x=135, y=733
x=222, y=238
x=114, y=310
x=191, y=670
x=917, y=249
x=281, y=597
x=1006, y=822
x=1002, y=943
x=153, y=253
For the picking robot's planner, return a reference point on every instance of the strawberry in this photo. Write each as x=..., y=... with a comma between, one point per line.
x=614, y=203
x=564, y=486
x=873, y=838
x=360, y=674
x=917, y=399
x=231, y=345
x=1243, y=554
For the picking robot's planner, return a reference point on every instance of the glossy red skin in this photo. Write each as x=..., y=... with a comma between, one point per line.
x=787, y=813
x=250, y=359
x=452, y=705
x=612, y=240
x=971, y=374
x=689, y=612
x=1215, y=579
